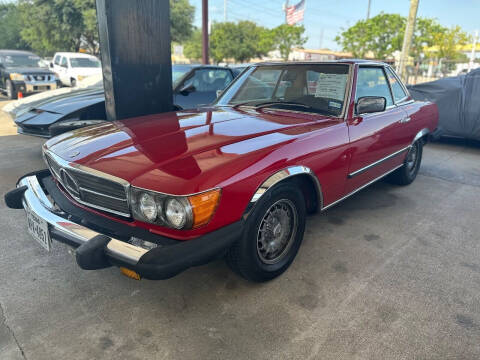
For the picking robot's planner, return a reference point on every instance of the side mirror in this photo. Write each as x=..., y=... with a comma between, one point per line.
x=51, y=65
x=219, y=92
x=187, y=89
x=371, y=104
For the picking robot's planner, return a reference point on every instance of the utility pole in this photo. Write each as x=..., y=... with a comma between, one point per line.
x=472, y=55
x=368, y=9
x=407, y=38
x=205, y=32
x=224, y=10
x=285, y=7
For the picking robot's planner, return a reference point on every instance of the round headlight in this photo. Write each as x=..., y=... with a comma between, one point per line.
x=176, y=213
x=148, y=206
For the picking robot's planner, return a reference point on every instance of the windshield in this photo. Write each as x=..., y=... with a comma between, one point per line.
x=318, y=88
x=11, y=61
x=84, y=63
x=178, y=72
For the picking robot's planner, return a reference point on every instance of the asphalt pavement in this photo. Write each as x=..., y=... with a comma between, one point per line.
x=391, y=273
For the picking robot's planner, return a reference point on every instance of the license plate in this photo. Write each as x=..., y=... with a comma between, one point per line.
x=38, y=228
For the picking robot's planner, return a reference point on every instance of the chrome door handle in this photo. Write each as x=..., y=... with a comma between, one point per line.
x=405, y=120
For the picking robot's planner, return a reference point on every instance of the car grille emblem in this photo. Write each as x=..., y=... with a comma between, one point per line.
x=69, y=182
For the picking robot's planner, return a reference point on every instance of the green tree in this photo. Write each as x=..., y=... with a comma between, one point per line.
x=182, y=14
x=448, y=43
x=286, y=37
x=51, y=25
x=10, y=27
x=193, y=47
x=424, y=36
x=240, y=41
x=381, y=35
x=66, y=25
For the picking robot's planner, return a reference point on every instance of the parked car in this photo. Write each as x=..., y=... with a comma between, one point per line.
x=192, y=86
x=458, y=106
x=158, y=194
x=21, y=72
x=74, y=67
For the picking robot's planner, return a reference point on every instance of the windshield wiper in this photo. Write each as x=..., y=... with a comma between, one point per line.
x=245, y=103
x=282, y=103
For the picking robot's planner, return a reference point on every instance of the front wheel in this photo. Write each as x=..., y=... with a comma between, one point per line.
x=10, y=90
x=408, y=172
x=272, y=236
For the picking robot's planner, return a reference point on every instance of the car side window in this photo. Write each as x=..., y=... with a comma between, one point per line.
x=56, y=61
x=371, y=81
x=63, y=63
x=397, y=89
x=210, y=79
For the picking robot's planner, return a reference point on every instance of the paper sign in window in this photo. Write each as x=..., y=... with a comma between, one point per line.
x=331, y=86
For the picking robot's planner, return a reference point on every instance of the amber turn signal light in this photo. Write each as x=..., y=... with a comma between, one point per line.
x=204, y=206
x=130, y=273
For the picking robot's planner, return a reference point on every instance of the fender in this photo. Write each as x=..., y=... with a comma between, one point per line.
x=421, y=134
x=279, y=176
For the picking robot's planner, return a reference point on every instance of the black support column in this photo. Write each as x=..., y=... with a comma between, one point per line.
x=136, y=59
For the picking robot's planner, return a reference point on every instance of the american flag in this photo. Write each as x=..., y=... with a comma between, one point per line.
x=295, y=13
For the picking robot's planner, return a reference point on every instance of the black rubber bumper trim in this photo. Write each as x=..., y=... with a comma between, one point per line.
x=164, y=262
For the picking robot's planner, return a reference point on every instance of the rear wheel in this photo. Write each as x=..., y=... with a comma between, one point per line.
x=10, y=90
x=408, y=172
x=73, y=82
x=272, y=236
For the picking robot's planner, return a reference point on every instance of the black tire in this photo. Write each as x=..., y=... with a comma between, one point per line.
x=10, y=90
x=248, y=257
x=408, y=172
x=73, y=82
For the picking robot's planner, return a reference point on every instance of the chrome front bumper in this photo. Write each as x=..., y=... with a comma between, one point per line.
x=37, y=201
x=95, y=250
x=39, y=86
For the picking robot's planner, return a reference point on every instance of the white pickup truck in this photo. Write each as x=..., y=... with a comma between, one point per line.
x=74, y=67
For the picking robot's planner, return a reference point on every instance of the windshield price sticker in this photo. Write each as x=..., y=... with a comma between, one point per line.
x=331, y=86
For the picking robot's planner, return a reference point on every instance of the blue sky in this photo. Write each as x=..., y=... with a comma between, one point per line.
x=330, y=17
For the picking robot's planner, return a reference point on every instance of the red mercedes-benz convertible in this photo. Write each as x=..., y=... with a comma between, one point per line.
x=158, y=194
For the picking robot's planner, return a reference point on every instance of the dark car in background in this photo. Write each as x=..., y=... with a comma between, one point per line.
x=457, y=98
x=193, y=85
x=21, y=72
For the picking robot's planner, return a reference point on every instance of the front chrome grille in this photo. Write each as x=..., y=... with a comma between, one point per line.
x=89, y=189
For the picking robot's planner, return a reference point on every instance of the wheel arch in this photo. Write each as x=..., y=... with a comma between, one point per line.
x=306, y=178
x=422, y=134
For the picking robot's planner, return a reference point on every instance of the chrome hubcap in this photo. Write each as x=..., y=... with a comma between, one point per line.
x=412, y=158
x=277, y=231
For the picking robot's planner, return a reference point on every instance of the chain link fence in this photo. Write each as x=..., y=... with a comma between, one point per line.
x=430, y=70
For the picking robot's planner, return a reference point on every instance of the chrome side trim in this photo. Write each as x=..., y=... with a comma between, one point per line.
x=360, y=188
x=282, y=175
x=421, y=134
x=378, y=162
x=35, y=200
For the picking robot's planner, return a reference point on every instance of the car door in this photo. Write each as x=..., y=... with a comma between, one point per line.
x=408, y=127
x=200, y=88
x=63, y=71
x=376, y=141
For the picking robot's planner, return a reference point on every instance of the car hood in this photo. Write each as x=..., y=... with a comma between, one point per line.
x=29, y=70
x=182, y=152
x=61, y=102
